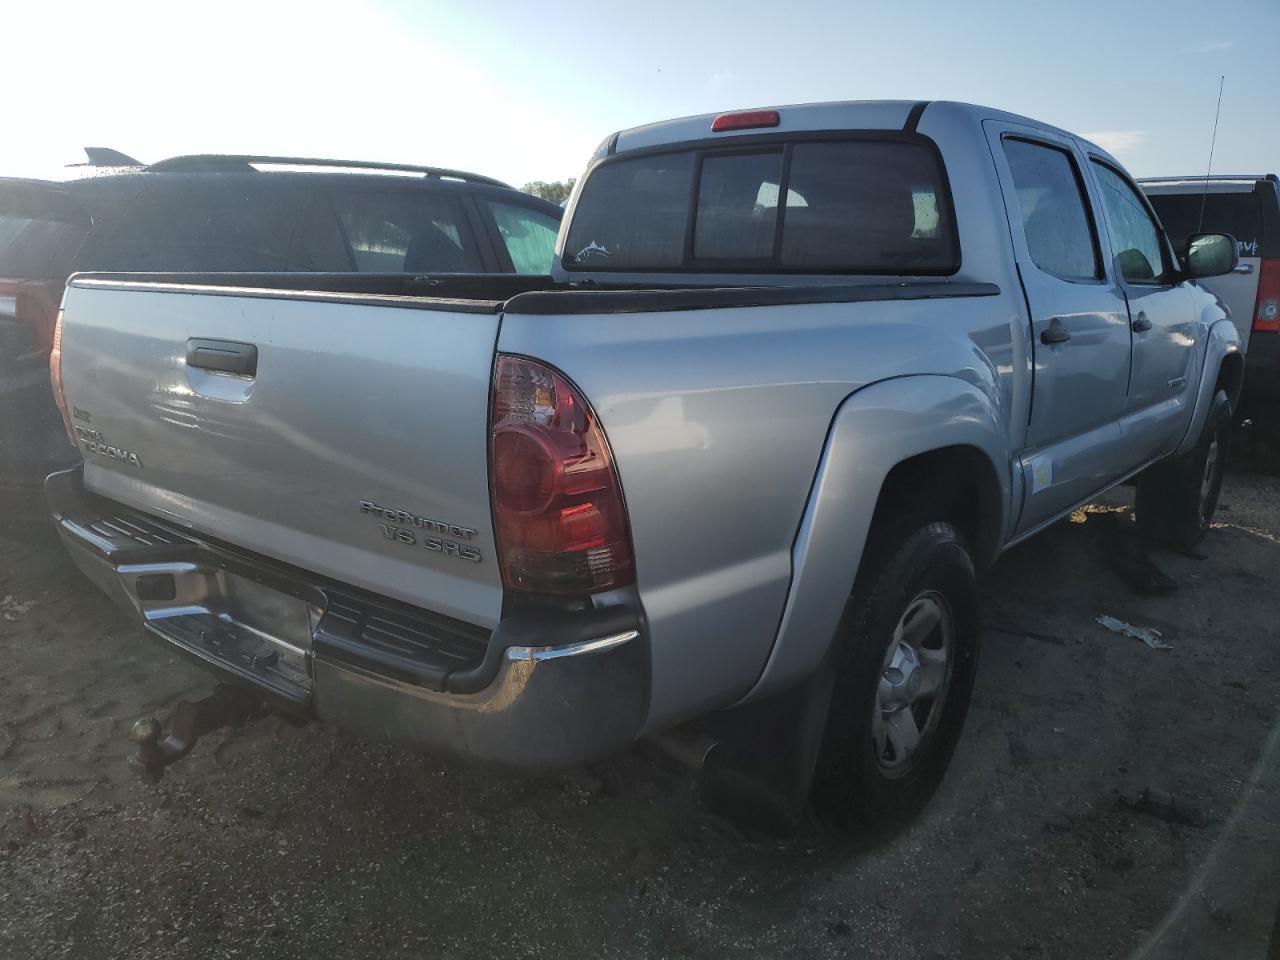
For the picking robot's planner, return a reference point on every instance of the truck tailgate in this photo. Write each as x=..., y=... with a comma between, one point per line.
x=343, y=434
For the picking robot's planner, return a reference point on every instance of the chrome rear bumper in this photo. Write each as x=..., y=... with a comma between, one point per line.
x=538, y=691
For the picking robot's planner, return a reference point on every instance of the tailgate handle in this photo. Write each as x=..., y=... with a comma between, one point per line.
x=224, y=356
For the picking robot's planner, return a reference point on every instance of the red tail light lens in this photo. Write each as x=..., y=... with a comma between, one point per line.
x=55, y=379
x=1266, y=313
x=746, y=120
x=557, y=504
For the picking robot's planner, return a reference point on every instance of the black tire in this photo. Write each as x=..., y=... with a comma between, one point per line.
x=1176, y=500
x=853, y=792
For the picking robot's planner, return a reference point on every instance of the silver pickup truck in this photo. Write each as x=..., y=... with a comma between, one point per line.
x=799, y=376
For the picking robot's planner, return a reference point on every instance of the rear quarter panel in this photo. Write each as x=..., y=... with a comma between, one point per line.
x=718, y=419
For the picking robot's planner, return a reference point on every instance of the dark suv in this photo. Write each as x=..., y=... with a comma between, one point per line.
x=1248, y=208
x=231, y=213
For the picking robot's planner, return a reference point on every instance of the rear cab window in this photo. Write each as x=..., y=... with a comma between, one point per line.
x=874, y=205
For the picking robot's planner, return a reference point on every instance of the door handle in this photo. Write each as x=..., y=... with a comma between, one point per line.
x=1141, y=324
x=1055, y=332
x=223, y=356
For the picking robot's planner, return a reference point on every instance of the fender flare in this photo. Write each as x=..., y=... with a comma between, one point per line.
x=1222, y=341
x=873, y=430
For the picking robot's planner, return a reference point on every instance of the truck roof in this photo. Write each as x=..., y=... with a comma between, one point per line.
x=1214, y=183
x=831, y=115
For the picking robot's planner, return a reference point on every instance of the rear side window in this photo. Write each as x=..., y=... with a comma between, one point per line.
x=248, y=224
x=40, y=232
x=1053, y=209
x=404, y=232
x=1239, y=214
x=528, y=235
x=861, y=206
x=206, y=226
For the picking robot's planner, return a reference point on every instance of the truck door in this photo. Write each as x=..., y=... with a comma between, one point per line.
x=1079, y=322
x=1161, y=313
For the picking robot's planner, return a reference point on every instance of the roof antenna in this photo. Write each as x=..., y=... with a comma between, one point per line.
x=1204, y=197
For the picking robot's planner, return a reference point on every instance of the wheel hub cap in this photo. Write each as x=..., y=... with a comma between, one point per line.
x=913, y=682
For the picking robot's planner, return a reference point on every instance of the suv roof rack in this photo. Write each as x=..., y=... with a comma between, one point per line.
x=1201, y=178
x=221, y=161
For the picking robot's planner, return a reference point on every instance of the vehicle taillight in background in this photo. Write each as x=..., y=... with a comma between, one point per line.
x=558, y=513
x=34, y=304
x=1266, y=311
x=55, y=378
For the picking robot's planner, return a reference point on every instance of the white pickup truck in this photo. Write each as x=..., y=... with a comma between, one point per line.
x=799, y=376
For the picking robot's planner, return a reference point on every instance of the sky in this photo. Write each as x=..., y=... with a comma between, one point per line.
x=525, y=91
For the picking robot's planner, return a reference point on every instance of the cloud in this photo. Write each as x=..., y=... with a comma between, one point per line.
x=1117, y=141
x=1209, y=46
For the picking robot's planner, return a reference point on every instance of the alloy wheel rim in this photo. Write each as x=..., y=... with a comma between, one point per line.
x=1208, y=478
x=915, y=678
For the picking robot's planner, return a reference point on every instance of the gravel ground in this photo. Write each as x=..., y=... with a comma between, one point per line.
x=283, y=842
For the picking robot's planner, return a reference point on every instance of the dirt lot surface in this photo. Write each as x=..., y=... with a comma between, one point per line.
x=278, y=842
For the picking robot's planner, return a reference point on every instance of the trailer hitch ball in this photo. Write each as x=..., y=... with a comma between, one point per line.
x=148, y=760
x=227, y=706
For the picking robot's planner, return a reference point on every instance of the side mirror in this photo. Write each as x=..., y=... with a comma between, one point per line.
x=1211, y=255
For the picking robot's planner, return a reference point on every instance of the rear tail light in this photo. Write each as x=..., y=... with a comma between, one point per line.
x=1266, y=312
x=560, y=520
x=745, y=120
x=55, y=378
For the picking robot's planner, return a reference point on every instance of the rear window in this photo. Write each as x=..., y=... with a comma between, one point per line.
x=865, y=206
x=1239, y=214
x=40, y=232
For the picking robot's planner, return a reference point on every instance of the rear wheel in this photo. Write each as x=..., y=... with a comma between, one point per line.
x=908, y=649
x=1176, y=500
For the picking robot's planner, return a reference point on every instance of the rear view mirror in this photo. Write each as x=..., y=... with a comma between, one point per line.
x=1211, y=254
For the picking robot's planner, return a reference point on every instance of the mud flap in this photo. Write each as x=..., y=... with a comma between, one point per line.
x=761, y=768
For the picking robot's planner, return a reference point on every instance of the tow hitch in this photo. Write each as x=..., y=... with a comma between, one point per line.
x=228, y=706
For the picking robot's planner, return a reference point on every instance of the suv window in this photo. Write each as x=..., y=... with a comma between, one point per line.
x=1239, y=214
x=228, y=224
x=529, y=236
x=405, y=232
x=860, y=206
x=181, y=226
x=1054, y=210
x=1135, y=237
